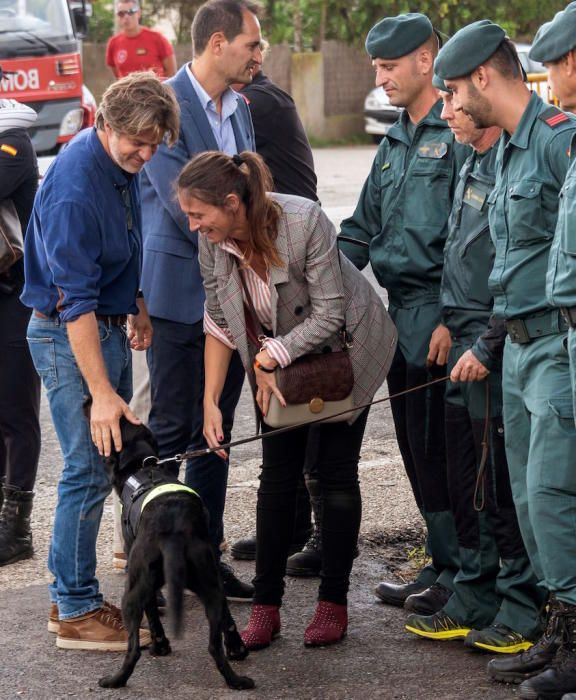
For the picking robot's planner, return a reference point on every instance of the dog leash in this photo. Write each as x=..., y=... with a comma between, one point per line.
x=262, y=436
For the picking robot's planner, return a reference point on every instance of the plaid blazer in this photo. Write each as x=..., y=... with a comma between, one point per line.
x=312, y=294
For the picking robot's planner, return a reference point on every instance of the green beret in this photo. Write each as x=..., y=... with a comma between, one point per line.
x=468, y=48
x=555, y=38
x=439, y=84
x=393, y=37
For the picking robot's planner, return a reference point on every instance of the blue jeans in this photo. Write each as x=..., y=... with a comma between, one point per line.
x=84, y=483
x=176, y=363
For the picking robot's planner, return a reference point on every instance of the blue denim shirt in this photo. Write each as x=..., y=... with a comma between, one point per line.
x=83, y=246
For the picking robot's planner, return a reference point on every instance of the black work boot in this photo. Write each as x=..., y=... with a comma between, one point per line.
x=560, y=677
x=308, y=562
x=15, y=533
x=517, y=668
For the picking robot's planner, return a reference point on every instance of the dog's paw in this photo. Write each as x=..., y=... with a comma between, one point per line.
x=237, y=653
x=160, y=647
x=112, y=682
x=241, y=683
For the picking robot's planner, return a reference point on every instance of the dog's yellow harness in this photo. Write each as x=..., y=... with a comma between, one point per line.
x=139, y=490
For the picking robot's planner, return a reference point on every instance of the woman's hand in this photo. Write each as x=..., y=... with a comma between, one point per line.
x=213, y=432
x=266, y=382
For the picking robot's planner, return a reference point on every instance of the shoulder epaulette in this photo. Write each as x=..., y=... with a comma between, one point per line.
x=553, y=117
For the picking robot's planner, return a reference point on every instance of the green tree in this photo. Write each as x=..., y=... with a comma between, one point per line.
x=101, y=24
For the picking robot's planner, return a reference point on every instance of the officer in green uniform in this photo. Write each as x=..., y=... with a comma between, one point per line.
x=496, y=601
x=479, y=64
x=402, y=214
x=555, y=46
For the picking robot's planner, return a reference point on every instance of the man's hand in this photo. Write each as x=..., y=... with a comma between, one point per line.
x=440, y=344
x=140, y=328
x=106, y=411
x=469, y=369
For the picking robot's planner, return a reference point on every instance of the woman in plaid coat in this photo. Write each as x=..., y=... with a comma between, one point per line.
x=302, y=293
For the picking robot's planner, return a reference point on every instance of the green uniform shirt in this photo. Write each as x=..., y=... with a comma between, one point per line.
x=403, y=209
x=466, y=301
x=531, y=167
x=561, y=277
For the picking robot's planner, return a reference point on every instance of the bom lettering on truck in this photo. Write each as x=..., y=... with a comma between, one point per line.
x=20, y=81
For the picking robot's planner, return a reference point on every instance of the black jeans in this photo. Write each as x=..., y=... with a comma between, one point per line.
x=176, y=363
x=338, y=452
x=19, y=398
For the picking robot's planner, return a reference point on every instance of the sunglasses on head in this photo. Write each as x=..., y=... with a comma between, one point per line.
x=127, y=13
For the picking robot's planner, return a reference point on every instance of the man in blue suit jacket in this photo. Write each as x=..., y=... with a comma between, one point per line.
x=227, y=48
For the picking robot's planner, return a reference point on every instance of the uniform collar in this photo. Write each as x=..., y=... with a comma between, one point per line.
x=521, y=137
x=399, y=130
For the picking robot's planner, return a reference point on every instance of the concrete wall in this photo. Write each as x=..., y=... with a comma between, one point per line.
x=328, y=87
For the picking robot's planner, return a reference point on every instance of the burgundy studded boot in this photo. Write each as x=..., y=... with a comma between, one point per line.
x=263, y=627
x=328, y=626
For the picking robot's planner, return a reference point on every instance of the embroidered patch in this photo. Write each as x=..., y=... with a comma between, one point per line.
x=141, y=52
x=553, y=116
x=6, y=148
x=474, y=197
x=433, y=150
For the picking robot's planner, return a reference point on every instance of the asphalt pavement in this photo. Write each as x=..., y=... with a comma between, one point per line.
x=377, y=660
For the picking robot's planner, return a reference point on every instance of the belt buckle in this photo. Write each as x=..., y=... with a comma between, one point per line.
x=518, y=331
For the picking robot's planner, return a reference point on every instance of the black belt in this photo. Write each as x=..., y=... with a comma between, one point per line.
x=569, y=315
x=113, y=320
x=525, y=330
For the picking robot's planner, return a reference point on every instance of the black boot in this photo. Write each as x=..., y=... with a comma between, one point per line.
x=560, y=677
x=15, y=533
x=308, y=562
x=517, y=668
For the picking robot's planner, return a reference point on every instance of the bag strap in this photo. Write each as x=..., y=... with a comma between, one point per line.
x=345, y=337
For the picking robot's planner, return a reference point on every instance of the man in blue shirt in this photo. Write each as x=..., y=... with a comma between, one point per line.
x=227, y=49
x=82, y=275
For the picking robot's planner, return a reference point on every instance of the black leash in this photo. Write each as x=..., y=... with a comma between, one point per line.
x=262, y=436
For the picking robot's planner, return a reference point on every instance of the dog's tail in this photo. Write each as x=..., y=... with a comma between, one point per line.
x=173, y=549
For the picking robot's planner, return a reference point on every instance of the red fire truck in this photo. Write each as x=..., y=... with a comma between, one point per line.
x=41, y=62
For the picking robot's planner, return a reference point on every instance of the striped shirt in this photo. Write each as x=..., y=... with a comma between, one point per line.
x=259, y=291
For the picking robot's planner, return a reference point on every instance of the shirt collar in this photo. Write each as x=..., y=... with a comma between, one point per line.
x=110, y=168
x=229, y=246
x=229, y=97
x=521, y=137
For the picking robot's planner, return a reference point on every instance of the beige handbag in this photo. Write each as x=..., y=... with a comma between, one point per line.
x=11, y=239
x=316, y=385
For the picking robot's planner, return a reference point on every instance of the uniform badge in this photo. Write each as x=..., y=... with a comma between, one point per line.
x=433, y=150
x=141, y=52
x=553, y=117
x=10, y=150
x=474, y=197
x=121, y=56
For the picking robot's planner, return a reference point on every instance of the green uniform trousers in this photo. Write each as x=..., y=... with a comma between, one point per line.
x=541, y=451
x=495, y=583
x=419, y=423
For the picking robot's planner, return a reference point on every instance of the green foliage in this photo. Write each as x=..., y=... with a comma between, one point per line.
x=350, y=20
x=101, y=24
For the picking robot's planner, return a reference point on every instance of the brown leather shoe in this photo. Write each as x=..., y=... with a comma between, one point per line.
x=100, y=630
x=54, y=619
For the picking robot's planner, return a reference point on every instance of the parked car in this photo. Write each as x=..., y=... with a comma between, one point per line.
x=379, y=114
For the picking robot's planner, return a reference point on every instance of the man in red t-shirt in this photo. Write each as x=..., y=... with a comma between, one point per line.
x=137, y=48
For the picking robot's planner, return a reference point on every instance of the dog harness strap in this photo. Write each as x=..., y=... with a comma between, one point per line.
x=163, y=489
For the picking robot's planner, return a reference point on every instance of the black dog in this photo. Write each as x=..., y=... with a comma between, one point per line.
x=167, y=543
